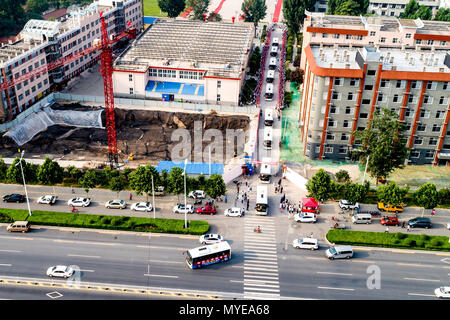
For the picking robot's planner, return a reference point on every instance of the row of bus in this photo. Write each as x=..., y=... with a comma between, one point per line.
x=268, y=96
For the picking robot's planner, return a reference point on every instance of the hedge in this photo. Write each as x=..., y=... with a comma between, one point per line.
x=66, y=219
x=389, y=240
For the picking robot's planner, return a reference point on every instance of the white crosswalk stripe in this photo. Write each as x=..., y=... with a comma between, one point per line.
x=260, y=259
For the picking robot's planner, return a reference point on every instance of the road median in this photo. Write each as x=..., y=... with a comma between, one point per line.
x=137, y=224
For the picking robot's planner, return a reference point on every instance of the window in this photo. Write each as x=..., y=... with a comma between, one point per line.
x=442, y=43
x=314, y=34
x=345, y=137
x=418, y=140
x=19, y=86
x=421, y=127
x=363, y=115
x=415, y=85
x=400, y=84
x=33, y=89
x=188, y=75
x=445, y=86
x=330, y=136
x=395, y=99
x=336, y=96
x=429, y=154
x=131, y=90
x=372, y=33
x=350, y=96
x=130, y=77
x=440, y=114
x=324, y=35
x=394, y=40
x=338, y=82
x=368, y=87
x=412, y=99
x=427, y=99
x=380, y=97
x=408, y=126
x=383, y=40
x=424, y=114
x=336, y=36
x=436, y=128
x=348, y=37
x=218, y=98
x=328, y=149
x=430, y=42
x=365, y=101
x=343, y=149
x=432, y=141
x=27, y=93
x=431, y=85
x=359, y=38
x=348, y=110
x=219, y=84
x=384, y=83
x=318, y=149
x=418, y=41
x=20, y=97
x=332, y=123
x=415, y=154
x=354, y=82
x=346, y=124
x=334, y=109
x=408, y=36
x=371, y=72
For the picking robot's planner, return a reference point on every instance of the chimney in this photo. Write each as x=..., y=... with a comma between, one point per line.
x=331, y=65
x=411, y=61
x=436, y=62
x=421, y=57
x=424, y=69
x=337, y=57
x=347, y=66
x=347, y=57
x=407, y=55
x=391, y=60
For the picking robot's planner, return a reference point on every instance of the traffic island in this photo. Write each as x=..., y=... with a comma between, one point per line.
x=137, y=224
x=389, y=240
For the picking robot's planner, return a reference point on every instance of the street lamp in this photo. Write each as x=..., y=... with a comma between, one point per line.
x=185, y=205
x=153, y=195
x=24, y=184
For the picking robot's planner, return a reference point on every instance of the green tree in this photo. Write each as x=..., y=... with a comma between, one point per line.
x=342, y=176
x=214, y=17
x=50, y=172
x=176, y=181
x=442, y=15
x=427, y=196
x=88, y=180
x=141, y=179
x=37, y=6
x=337, y=190
x=254, y=11
x=348, y=8
x=199, y=8
x=320, y=186
x=355, y=192
x=215, y=186
x=391, y=194
x=172, y=7
x=3, y=170
x=410, y=9
x=423, y=13
x=297, y=75
x=117, y=184
x=444, y=196
x=383, y=141
x=255, y=61
x=164, y=176
x=74, y=173
x=294, y=13
x=14, y=174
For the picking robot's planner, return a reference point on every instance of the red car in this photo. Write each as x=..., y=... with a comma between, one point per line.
x=389, y=221
x=206, y=210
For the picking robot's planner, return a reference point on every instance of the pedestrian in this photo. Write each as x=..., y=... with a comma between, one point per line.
x=131, y=197
x=226, y=198
x=311, y=235
x=281, y=189
x=246, y=183
x=433, y=212
x=387, y=230
x=242, y=199
x=281, y=206
x=408, y=228
x=248, y=203
x=73, y=191
x=238, y=188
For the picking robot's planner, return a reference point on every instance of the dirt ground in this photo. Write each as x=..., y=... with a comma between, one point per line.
x=146, y=134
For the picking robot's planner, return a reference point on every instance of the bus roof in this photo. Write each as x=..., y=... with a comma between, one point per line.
x=275, y=40
x=269, y=88
x=261, y=194
x=268, y=113
x=268, y=133
x=273, y=49
x=271, y=74
x=273, y=61
x=213, y=248
x=265, y=167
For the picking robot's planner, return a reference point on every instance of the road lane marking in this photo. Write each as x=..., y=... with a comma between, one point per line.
x=421, y=294
x=5, y=265
x=161, y=261
x=363, y=261
x=86, y=242
x=335, y=273
x=6, y=250
x=159, y=247
x=84, y=270
x=413, y=265
x=237, y=281
x=255, y=262
x=255, y=273
x=247, y=285
x=159, y=275
x=250, y=257
x=261, y=269
x=256, y=251
x=261, y=289
x=83, y=256
x=261, y=281
x=16, y=238
x=330, y=288
x=432, y=280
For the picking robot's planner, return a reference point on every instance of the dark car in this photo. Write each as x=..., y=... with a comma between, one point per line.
x=15, y=197
x=420, y=223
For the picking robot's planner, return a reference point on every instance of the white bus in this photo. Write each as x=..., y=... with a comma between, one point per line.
x=269, y=92
x=272, y=63
x=267, y=138
x=270, y=76
x=262, y=206
x=268, y=117
x=266, y=171
x=206, y=255
x=275, y=42
x=273, y=51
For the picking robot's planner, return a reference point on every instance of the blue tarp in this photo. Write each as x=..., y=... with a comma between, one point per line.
x=191, y=167
x=174, y=87
x=149, y=20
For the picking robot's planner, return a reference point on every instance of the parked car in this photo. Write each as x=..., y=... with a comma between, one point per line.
x=210, y=238
x=197, y=194
x=79, y=202
x=420, y=222
x=159, y=191
x=234, y=212
x=305, y=217
x=389, y=221
x=442, y=292
x=60, y=272
x=339, y=252
x=448, y=225
x=306, y=243
x=116, y=204
x=179, y=208
x=347, y=205
x=142, y=206
x=15, y=197
x=386, y=207
x=47, y=199
x=206, y=210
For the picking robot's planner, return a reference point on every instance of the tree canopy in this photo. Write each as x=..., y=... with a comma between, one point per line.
x=254, y=10
x=391, y=194
x=294, y=13
x=413, y=11
x=442, y=15
x=215, y=186
x=320, y=186
x=427, y=196
x=348, y=7
x=141, y=179
x=172, y=7
x=199, y=8
x=50, y=172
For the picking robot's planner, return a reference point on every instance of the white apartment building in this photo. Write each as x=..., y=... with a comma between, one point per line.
x=393, y=8
x=42, y=42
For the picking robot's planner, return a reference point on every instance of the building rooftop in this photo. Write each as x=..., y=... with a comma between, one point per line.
x=218, y=47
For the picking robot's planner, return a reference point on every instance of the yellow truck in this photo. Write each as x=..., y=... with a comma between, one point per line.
x=386, y=207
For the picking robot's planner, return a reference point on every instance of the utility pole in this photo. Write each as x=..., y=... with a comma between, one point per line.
x=185, y=205
x=24, y=184
x=365, y=170
x=153, y=194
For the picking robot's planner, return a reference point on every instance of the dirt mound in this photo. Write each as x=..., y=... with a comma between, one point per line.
x=146, y=134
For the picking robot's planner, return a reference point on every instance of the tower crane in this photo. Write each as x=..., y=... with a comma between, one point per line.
x=104, y=45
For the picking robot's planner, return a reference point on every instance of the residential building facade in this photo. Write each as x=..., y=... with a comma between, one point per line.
x=393, y=8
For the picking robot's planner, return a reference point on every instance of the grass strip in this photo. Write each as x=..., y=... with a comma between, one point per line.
x=389, y=240
x=65, y=219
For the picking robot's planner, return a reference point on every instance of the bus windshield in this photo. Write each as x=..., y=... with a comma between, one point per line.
x=261, y=207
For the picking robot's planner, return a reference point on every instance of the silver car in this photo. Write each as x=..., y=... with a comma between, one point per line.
x=116, y=204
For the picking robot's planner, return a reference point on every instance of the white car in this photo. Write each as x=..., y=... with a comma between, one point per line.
x=448, y=225
x=197, y=194
x=60, y=272
x=47, y=199
x=79, y=202
x=210, y=238
x=234, y=212
x=442, y=292
x=306, y=243
x=347, y=205
x=142, y=206
x=116, y=204
x=305, y=217
x=179, y=208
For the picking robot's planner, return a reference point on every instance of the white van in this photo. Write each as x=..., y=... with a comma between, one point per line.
x=267, y=142
x=268, y=96
x=272, y=63
x=270, y=76
x=273, y=51
x=275, y=42
x=339, y=252
x=362, y=218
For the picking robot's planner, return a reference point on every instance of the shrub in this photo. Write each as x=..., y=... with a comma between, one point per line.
x=116, y=222
x=409, y=242
x=435, y=242
x=400, y=235
x=105, y=220
x=424, y=237
x=420, y=243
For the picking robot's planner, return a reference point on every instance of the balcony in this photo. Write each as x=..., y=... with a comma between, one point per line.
x=444, y=154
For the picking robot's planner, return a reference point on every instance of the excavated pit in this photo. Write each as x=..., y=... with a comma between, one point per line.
x=145, y=133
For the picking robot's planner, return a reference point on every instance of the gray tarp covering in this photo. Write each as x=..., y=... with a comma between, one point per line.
x=37, y=122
